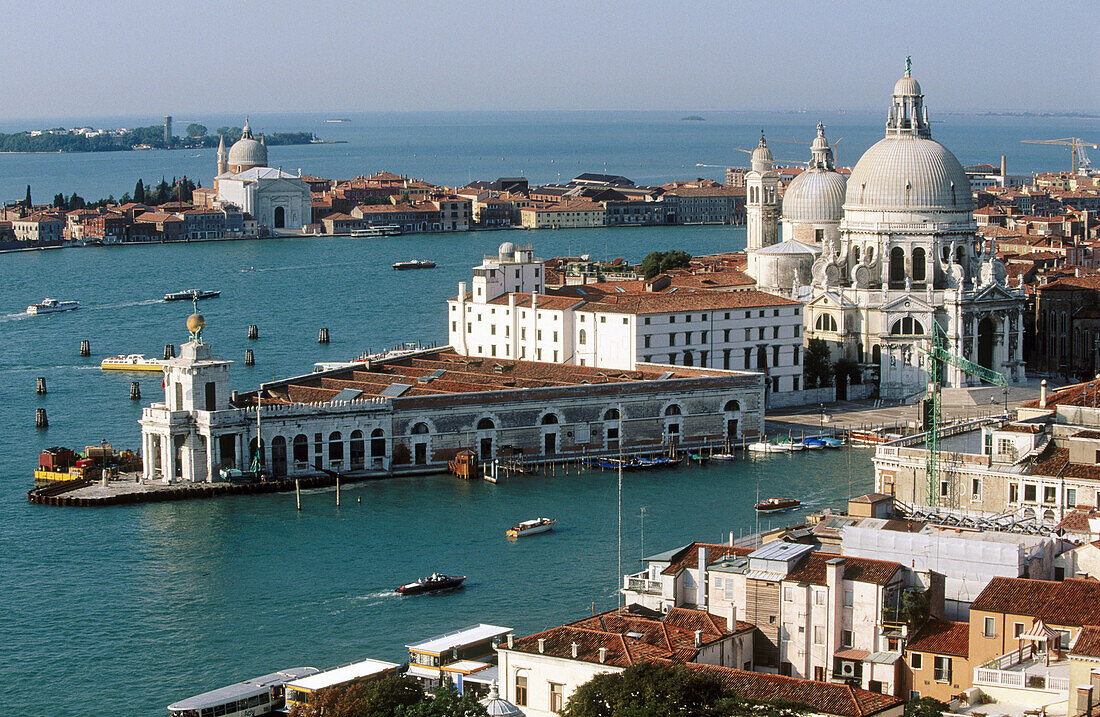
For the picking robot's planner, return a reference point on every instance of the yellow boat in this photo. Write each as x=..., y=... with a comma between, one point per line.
x=132, y=362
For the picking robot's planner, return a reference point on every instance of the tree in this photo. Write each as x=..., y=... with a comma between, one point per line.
x=646, y=689
x=383, y=697
x=76, y=201
x=445, y=702
x=139, y=192
x=196, y=130
x=27, y=201
x=925, y=707
x=816, y=365
x=846, y=369
x=658, y=261
x=59, y=200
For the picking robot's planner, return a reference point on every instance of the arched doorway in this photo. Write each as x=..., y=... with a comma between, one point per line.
x=358, y=451
x=280, y=217
x=986, y=329
x=550, y=433
x=377, y=446
x=732, y=410
x=421, y=438
x=876, y=355
x=612, y=421
x=301, y=452
x=335, y=451
x=485, y=429
x=278, y=456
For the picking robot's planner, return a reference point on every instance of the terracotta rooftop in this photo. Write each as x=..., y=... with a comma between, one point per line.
x=659, y=303
x=942, y=637
x=1071, y=602
x=821, y=697
x=811, y=569
x=1087, y=643
x=453, y=374
x=1077, y=520
x=688, y=558
x=1077, y=394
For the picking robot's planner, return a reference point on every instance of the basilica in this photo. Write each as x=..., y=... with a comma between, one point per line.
x=882, y=258
x=279, y=201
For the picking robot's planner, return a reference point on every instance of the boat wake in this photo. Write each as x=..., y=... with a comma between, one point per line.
x=143, y=302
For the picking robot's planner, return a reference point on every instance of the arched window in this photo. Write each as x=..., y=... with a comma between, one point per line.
x=960, y=254
x=377, y=443
x=611, y=414
x=673, y=410
x=420, y=428
x=919, y=268
x=859, y=353
x=907, y=326
x=870, y=254
x=358, y=451
x=335, y=447
x=550, y=419
x=278, y=456
x=825, y=322
x=280, y=217
x=689, y=360
x=897, y=264
x=731, y=406
x=855, y=254
x=762, y=358
x=876, y=355
x=301, y=449
x=581, y=338
x=486, y=424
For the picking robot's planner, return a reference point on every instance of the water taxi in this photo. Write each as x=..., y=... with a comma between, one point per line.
x=436, y=582
x=531, y=527
x=192, y=294
x=384, y=230
x=414, y=264
x=131, y=362
x=52, y=306
x=248, y=698
x=776, y=505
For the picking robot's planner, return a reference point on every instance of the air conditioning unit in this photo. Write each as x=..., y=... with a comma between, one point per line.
x=847, y=668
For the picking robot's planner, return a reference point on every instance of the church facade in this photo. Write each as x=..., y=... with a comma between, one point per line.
x=889, y=256
x=278, y=200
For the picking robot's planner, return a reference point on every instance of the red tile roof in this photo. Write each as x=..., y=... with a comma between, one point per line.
x=688, y=558
x=1072, y=602
x=659, y=303
x=1087, y=643
x=942, y=637
x=811, y=569
x=821, y=697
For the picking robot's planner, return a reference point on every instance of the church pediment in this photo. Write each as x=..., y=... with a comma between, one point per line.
x=830, y=300
x=994, y=292
x=908, y=303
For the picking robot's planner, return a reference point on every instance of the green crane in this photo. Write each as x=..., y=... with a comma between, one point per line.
x=938, y=356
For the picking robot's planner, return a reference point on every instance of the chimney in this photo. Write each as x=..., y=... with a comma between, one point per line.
x=731, y=618
x=575, y=650
x=698, y=638
x=461, y=291
x=834, y=574
x=511, y=640
x=542, y=645
x=701, y=580
x=603, y=654
x=1004, y=169
x=1083, y=703
x=1043, y=394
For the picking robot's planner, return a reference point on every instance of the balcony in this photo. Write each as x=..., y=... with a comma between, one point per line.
x=1023, y=674
x=639, y=583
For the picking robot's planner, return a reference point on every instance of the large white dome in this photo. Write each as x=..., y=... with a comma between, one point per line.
x=247, y=152
x=815, y=196
x=907, y=173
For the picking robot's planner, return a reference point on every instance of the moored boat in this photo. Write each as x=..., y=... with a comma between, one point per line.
x=414, y=264
x=813, y=444
x=531, y=527
x=776, y=505
x=132, y=362
x=192, y=294
x=723, y=456
x=384, y=230
x=436, y=582
x=52, y=306
x=257, y=696
x=832, y=442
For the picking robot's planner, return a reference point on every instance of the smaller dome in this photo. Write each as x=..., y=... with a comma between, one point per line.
x=507, y=250
x=789, y=247
x=762, y=156
x=907, y=86
x=815, y=195
x=195, y=323
x=497, y=706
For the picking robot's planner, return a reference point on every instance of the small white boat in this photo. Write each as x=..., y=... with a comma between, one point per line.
x=723, y=456
x=52, y=306
x=192, y=294
x=258, y=696
x=132, y=362
x=531, y=527
x=414, y=264
x=384, y=230
x=777, y=447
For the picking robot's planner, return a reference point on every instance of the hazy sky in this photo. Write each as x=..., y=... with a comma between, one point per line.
x=98, y=58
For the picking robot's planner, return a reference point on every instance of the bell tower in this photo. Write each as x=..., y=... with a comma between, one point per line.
x=762, y=198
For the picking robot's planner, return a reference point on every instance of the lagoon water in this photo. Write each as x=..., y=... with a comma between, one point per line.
x=123, y=610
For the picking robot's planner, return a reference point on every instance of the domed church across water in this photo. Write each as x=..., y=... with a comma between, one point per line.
x=889, y=252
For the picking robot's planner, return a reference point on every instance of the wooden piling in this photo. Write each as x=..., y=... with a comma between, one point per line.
x=40, y=420
x=249, y=357
x=40, y=386
x=298, y=494
x=169, y=351
x=135, y=391
x=322, y=336
x=85, y=348
x=253, y=331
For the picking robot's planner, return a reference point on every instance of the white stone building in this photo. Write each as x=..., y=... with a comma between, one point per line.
x=619, y=325
x=279, y=201
x=903, y=254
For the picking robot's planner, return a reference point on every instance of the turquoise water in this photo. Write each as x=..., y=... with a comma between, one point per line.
x=128, y=609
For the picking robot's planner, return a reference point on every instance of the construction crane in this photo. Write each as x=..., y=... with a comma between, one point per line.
x=938, y=356
x=1078, y=156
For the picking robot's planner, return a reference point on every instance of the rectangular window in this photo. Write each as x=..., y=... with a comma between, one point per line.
x=975, y=489
x=647, y=321
x=492, y=329
x=555, y=337
x=796, y=383
x=1014, y=493
x=748, y=365
x=845, y=638
x=1017, y=629
x=687, y=338
x=1050, y=494
x=1071, y=497
x=775, y=332
x=454, y=326
x=775, y=384
x=775, y=355
x=848, y=598
x=1030, y=492
x=819, y=634
x=538, y=334
x=520, y=693
x=819, y=597
x=788, y=593
x=557, y=695
x=760, y=332
x=493, y=350
x=989, y=629
x=942, y=669
x=916, y=659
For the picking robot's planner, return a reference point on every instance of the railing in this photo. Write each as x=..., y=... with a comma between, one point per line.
x=635, y=583
x=1021, y=680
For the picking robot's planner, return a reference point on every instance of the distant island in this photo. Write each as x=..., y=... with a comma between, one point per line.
x=693, y=118
x=87, y=139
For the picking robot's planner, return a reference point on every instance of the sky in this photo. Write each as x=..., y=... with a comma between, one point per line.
x=99, y=58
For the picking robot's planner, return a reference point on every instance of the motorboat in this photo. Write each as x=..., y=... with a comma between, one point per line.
x=777, y=447
x=833, y=443
x=531, y=527
x=813, y=444
x=414, y=264
x=132, y=362
x=436, y=582
x=257, y=696
x=777, y=505
x=192, y=294
x=723, y=456
x=384, y=230
x=52, y=306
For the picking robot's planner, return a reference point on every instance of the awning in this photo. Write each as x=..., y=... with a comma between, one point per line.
x=427, y=673
x=1039, y=632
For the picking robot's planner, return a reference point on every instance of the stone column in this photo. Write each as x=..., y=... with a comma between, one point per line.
x=242, y=448
x=210, y=442
x=168, y=464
